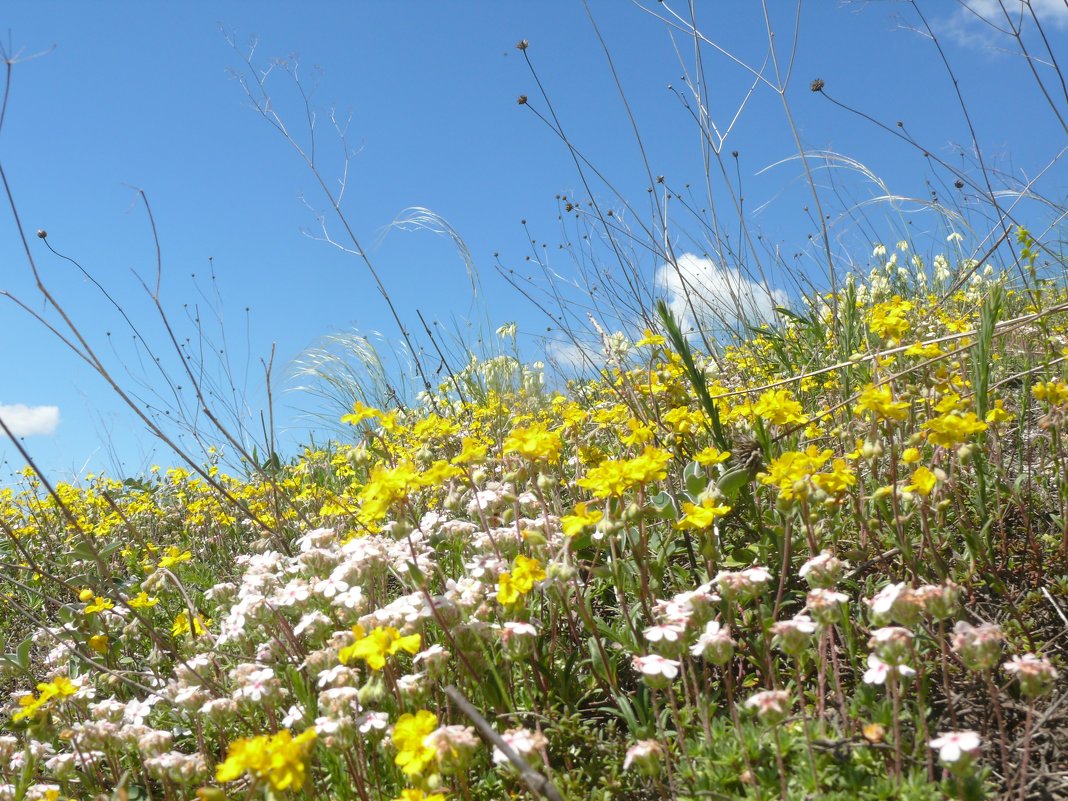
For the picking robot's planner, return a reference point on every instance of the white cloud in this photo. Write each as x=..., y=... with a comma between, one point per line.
x=720, y=296
x=28, y=421
x=571, y=357
x=978, y=23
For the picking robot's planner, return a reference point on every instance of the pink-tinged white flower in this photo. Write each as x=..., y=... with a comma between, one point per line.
x=824, y=570
x=879, y=671
x=892, y=643
x=957, y=746
x=312, y=622
x=1036, y=674
x=373, y=723
x=293, y=716
x=826, y=605
x=325, y=726
x=771, y=706
x=883, y=601
x=136, y=711
x=259, y=684
x=352, y=598
x=516, y=628
x=433, y=658
x=317, y=538
x=742, y=585
x=656, y=670
x=330, y=586
x=334, y=675
x=523, y=741
x=979, y=647
x=646, y=756
x=454, y=744
x=667, y=634
x=714, y=644
x=940, y=601
x=295, y=592
x=793, y=635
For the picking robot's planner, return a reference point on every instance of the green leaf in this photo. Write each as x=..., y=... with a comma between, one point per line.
x=695, y=478
x=731, y=483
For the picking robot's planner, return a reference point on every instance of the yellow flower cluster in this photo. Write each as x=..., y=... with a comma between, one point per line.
x=514, y=584
x=279, y=759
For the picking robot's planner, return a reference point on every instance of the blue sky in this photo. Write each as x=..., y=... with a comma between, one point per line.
x=130, y=96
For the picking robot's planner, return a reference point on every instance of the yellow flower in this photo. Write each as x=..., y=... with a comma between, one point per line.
x=880, y=401
x=182, y=625
x=923, y=481
x=281, y=759
x=889, y=320
x=682, y=420
x=360, y=413
x=142, y=600
x=952, y=429
x=616, y=477
x=376, y=646
x=910, y=455
x=926, y=351
x=59, y=688
x=581, y=518
x=99, y=643
x=98, y=604
x=839, y=480
x=703, y=516
x=710, y=456
x=1055, y=393
x=525, y=573
x=998, y=413
x=791, y=472
x=409, y=738
x=385, y=487
x=649, y=338
x=534, y=442
x=778, y=407
x=649, y=466
x=419, y=795
x=174, y=556
x=471, y=452
x=637, y=433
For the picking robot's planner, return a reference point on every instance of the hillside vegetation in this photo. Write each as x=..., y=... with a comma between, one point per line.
x=826, y=561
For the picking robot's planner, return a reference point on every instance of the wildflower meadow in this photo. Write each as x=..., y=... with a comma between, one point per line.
x=814, y=553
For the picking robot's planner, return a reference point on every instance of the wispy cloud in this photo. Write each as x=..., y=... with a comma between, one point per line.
x=720, y=296
x=982, y=23
x=29, y=421
x=570, y=357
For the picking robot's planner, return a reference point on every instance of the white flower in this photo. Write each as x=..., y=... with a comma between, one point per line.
x=770, y=705
x=953, y=746
x=294, y=592
x=522, y=741
x=668, y=633
x=352, y=598
x=1035, y=673
x=293, y=715
x=258, y=685
x=714, y=644
x=884, y=599
x=656, y=668
x=136, y=711
x=331, y=586
x=878, y=670
x=373, y=722
x=645, y=755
